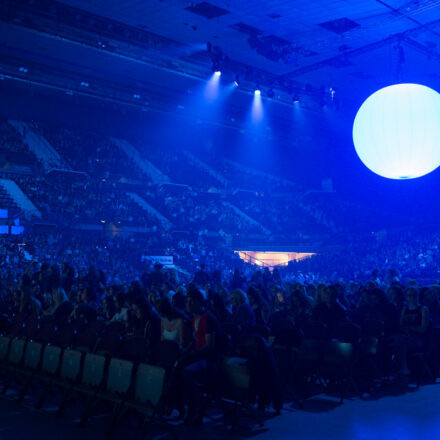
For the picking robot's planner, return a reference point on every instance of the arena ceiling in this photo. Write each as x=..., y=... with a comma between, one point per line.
x=157, y=48
x=319, y=42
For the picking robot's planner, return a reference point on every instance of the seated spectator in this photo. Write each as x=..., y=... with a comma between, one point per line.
x=145, y=321
x=217, y=308
x=300, y=306
x=429, y=299
x=414, y=326
x=199, y=365
x=173, y=327
x=121, y=307
x=201, y=277
x=259, y=306
x=243, y=316
x=329, y=311
x=61, y=307
x=87, y=307
x=108, y=307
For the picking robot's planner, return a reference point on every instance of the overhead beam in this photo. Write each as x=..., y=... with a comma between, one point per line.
x=358, y=51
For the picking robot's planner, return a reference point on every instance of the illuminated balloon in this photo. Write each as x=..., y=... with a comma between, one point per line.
x=396, y=131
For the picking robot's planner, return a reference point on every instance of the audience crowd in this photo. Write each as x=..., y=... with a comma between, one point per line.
x=378, y=295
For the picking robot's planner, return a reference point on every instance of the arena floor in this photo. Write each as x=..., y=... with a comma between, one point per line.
x=414, y=415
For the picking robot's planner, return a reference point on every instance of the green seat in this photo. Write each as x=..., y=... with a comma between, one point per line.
x=149, y=382
x=236, y=372
x=4, y=347
x=310, y=351
x=51, y=359
x=338, y=354
x=93, y=370
x=16, y=351
x=119, y=376
x=368, y=346
x=32, y=355
x=71, y=365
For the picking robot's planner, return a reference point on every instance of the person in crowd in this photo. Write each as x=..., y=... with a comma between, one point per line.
x=243, y=316
x=145, y=321
x=218, y=308
x=173, y=323
x=201, y=277
x=61, y=307
x=259, y=305
x=121, y=307
x=414, y=327
x=300, y=305
x=329, y=311
x=429, y=299
x=108, y=307
x=200, y=364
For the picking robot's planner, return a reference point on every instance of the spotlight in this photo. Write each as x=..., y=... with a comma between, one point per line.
x=295, y=99
x=237, y=81
x=217, y=73
x=257, y=92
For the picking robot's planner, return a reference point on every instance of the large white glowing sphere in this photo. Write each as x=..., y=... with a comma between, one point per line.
x=396, y=131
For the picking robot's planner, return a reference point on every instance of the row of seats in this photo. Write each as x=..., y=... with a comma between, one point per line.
x=97, y=362
x=121, y=382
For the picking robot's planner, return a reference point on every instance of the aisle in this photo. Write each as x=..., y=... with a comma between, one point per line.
x=413, y=416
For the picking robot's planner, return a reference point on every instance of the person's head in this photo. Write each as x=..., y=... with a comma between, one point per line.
x=178, y=299
x=216, y=302
x=280, y=295
x=238, y=297
x=396, y=295
x=92, y=271
x=254, y=297
x=141, y=307
x=375, y=297
x=166, y=310
x=59, y=296
x=109, y=306
x=120, y=300
x=195, y=302
x=154, y=297
x=330, y=295
x=412, y=296
x=88, y=295
x=428, y=296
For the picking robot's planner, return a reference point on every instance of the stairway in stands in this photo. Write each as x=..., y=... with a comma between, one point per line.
x=146, y=167
x=147, y=207
x=13, y=198
x=49, y=157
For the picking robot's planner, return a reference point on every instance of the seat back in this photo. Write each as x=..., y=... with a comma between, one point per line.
x=4, y=347
x=93, y=370
x=119, y=376
x=51, y=359
x=71, y=364
x=310, y=351
x=32, y=355
x=149, y=382
x=16, y=351
x=368, y=346
x=236, y=372
x=338, y=353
